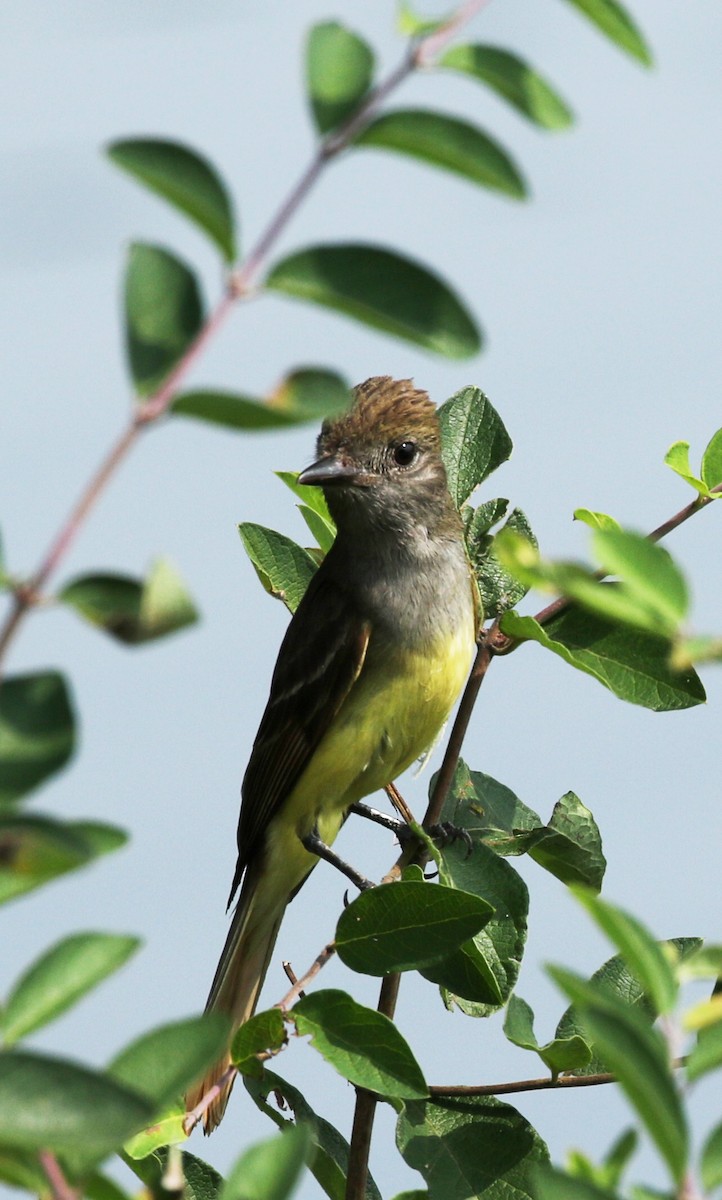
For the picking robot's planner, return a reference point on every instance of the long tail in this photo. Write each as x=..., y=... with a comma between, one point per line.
x=239, y=977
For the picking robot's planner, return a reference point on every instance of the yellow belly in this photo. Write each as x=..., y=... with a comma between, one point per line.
x=393, y=714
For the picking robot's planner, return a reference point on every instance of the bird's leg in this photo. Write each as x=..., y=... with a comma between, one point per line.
x=312, y=842
x=443, y=834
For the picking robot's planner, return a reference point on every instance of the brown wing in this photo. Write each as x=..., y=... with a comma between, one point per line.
x=319, y=661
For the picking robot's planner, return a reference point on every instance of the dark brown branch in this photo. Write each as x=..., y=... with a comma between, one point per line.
x=561, y=1083
x=365, y=1110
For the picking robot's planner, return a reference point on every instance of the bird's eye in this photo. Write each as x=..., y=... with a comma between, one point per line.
x=404, y=454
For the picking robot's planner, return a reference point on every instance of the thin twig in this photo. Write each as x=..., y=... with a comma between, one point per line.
x=365, y=1109
x=561, y=1083
x=319, y=961
x=431, y=46
x=53, y=1172
x=193, y=1117
x=289, y=972
x=399, y=803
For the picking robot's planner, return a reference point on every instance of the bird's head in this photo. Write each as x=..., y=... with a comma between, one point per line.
x=380, y=463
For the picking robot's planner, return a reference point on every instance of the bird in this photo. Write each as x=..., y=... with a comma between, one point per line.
x=371, y=665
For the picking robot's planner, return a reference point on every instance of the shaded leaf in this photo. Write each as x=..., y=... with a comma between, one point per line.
x=471, y=1148
x=644, y=956
x=446, y=142
x=552, y=1184
x=489, y=811
x=269, y=1170
x=34, y=850
x=570, y=846
x=60, y=977
x=202, y=1181
x=615, y=979
x=712, y=461
x=263, y=1031
x=560, y=1054
x=499, y=589
x=711, y=1160
x=284, y=568
x=632, y=664
x=323, y=533
x=406, y=926
x=48, y=1103
x=306, y=394
x=37, y=731
x=638, y=1056
x=133, y=611
x=186, y=179
x=163, y=1063
x=706, y=1054
x=339, y=70
x=363, y=1045
x=474, y=441
x=514, y=80
x=381, y=289
x=615, y=23
x=329, y=1163
x=479, y=977
x=163, y=313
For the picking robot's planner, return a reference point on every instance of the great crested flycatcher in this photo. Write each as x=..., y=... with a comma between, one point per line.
x=371, y=664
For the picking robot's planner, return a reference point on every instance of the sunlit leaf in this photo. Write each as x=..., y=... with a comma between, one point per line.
x=615, y=23
x=339, y=70
x=284, y=568
x=307, y=394
x=514, y=80
x=474, y=441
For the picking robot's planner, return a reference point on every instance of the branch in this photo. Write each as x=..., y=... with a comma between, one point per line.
x=52, y=1170
x=240, y=284
x=561, y=1083
x=319, y=961
x=365, y=1110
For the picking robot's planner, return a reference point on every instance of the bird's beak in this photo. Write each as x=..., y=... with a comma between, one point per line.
x=329, y=470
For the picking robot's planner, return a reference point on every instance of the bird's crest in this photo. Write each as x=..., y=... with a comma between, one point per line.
x=383, y=409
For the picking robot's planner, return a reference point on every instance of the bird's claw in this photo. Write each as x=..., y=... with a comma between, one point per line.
x=446, y=833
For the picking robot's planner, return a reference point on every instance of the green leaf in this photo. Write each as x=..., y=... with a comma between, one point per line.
x=677, y=458
x=311, y=496
x=269, y=1170
x=202, y=1181
x=474, y=441
x=638, y=1056
x=489, y=811
x=643, y=955
x=705, y=963
x=163, y=314
x=499, y=589
x=50, y=1104
x=384, y=290
x=480, y=976
x=306, y=394
x=133, y=611
x=186, y=179
x=163, y=1063
x=406, y=926
x=263, y=1031
x=616, y=24
x=37, y=731
x=514, y=80
x=560, y=1054
x=595, y=520
x=446, y=142
x=615, y=979
x=553, y=1184
x=474, y=1147
x=329, y=1164
x=570, y=846
x=648, y=571
x=284, y=568
x=34, y=850
x=711, y=1160
x=339, y=71
x=166, y=1130
x=61, y=977
x=410, y=25
x=632, y=664
x=363, y=1045
x=324, y=533
x=712, y=461
x=706, y=1054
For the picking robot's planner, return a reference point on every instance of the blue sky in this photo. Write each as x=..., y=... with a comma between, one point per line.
x=600, y=299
